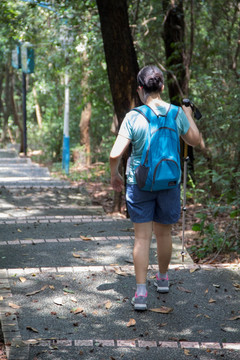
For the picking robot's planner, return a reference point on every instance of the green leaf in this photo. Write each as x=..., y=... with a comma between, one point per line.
x=68, y=291
x=234, y=213
x=197, y=227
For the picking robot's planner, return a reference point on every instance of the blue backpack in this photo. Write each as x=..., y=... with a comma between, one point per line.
x=160, y=167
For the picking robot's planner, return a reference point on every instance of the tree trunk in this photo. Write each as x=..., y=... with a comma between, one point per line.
x=15, y=113
x=121, y=61
x=84, y=131
x=5, y=104
x=37, y=109
x=173, y=36
x=178, y=61
x=120, y=55
x=86, y=114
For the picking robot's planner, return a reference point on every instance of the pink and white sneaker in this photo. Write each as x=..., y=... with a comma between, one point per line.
x=162, y=284
x=140, y=302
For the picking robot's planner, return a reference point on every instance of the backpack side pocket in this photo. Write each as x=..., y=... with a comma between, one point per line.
x=141, y=174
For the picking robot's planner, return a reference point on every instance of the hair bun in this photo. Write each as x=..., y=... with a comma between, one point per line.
x=153, y=83
x=151, y=78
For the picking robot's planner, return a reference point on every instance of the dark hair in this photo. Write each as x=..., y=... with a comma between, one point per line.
x=150, y=78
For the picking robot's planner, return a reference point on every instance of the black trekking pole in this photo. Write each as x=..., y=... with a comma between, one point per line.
x=198, y=116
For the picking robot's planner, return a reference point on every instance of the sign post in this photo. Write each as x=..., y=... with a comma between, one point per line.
x=27, y=63
x=23, y=58
x=24, y=110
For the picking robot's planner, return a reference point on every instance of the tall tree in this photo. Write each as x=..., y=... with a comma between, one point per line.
x=120, y=55
x=121, y=62
x=177, y=58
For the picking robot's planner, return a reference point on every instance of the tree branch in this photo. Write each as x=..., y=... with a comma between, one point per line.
x=163, y=69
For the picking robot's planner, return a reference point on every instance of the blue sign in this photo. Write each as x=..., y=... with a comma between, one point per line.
x=16, y=57
x=27, y=58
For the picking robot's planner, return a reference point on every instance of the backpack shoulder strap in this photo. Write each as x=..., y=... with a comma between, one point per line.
x=173, y=111
x=146, y=111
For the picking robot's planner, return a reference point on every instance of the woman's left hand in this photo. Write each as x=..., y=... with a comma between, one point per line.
x=117, y=182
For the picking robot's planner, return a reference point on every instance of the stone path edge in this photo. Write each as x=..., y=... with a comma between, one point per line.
x=100, y=268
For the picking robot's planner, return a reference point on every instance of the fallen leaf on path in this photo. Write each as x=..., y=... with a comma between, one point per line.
x=162, y=310
x=19, y=230
x=33, y=292
x=31, y=329
x=237, y=286
x=118, y=246
x=69, y=291
x=85, y=238
x=89, y=260
x=187, y=352
x=37, y=291
x=120, y=272
x=131, y=322
x=31, y=342
x=237, y=317
x=77, y=310
x=58, y=301
x=108, y=304
x=22, y=279
x=206, y=291
x=183, y=289
x=193, y=270
x=1, y=298
x=162, y=324
x=76, y=255
x=212, y=301
x=227, y=329
x=14, y=306
x=73, y=299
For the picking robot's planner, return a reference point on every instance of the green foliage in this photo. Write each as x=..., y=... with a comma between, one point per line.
x=69, y=39
x=97, y=172
x=215, y=237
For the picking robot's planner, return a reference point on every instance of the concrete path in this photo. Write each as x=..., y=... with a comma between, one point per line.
x=66, y=282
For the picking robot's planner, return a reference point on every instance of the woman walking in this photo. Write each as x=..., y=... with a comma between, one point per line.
x=150, y=211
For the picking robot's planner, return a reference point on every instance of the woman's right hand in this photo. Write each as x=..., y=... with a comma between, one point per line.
x=187, y=110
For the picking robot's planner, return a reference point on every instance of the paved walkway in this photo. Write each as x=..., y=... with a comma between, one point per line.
x=66, y=282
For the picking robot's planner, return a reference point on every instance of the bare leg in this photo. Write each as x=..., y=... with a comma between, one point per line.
x=164, y=245
x=143, y=237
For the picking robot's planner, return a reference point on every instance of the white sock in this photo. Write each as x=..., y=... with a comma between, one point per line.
x=162, y=276
x=141, y=289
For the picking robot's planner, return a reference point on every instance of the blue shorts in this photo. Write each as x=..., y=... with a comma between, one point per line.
x=160, y=206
